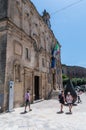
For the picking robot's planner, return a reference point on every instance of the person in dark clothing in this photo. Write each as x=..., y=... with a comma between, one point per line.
x=78, y=97
x=61, y=100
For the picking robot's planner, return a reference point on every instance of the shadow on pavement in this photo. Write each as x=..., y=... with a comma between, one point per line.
x=60, y=112
x=68, y=113
x=26, y=112
x=73, y=104
x=23, y=112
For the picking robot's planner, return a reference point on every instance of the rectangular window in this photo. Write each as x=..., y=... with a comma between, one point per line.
x=43, y=64
x=26, y=53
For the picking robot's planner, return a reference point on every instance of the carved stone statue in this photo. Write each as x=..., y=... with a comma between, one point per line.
x=46, y=18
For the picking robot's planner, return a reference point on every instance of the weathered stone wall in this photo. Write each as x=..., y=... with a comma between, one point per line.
x=3, y=8
x=27, y=54
x=3, y=44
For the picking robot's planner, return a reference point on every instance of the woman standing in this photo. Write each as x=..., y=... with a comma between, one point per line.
x=27, y=100
x=62, y=100
x=69, y=100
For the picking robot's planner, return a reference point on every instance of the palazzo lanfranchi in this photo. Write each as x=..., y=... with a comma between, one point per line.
x=26, y=44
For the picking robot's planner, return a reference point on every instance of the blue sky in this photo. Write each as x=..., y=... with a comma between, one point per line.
x=69, y=27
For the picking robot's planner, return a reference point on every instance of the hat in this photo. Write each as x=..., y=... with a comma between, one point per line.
x=68, y=93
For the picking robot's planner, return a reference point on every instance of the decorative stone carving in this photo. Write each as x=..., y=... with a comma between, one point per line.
x=46, y=18
x=18, y=48
x=18, y=67
x=19, y=6
x=17, y=72
x=35, y=46
x=24, y=1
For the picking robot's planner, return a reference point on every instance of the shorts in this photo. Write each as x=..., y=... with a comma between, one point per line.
x=69, y=103
x=27, y=102
x=62, y=102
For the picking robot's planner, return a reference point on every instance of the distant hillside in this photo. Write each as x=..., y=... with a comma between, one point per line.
x=74, y=71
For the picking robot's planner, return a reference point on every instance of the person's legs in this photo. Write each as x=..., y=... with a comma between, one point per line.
x=61, y=107
x=70, y=107
x=25, y=108
x=29, y=106
x=25, y=105
x=79, y=99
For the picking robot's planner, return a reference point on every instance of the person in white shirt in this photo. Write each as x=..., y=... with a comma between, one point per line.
x=69, y=100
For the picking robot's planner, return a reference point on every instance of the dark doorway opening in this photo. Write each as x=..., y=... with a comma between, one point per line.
x=36, y=87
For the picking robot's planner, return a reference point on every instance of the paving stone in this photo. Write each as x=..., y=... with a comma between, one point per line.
x=45, y=116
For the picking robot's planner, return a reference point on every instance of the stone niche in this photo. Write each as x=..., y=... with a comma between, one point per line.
x=17, y=48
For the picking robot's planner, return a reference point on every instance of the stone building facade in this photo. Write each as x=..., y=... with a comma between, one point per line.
x=26, y=43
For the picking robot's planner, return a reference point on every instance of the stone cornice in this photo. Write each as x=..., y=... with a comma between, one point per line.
x=14, y=29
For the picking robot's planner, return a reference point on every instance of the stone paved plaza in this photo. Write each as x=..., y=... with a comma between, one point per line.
x=44, y=116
